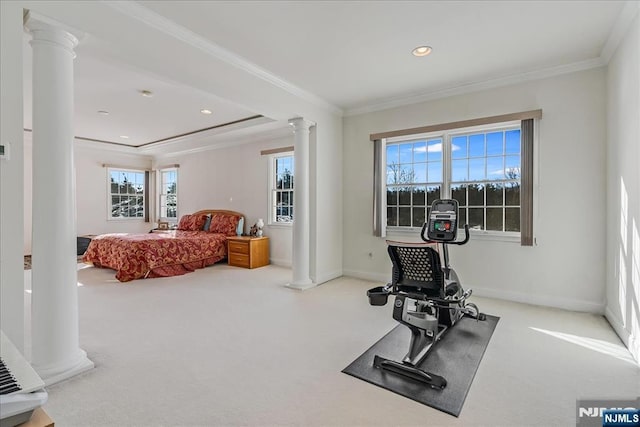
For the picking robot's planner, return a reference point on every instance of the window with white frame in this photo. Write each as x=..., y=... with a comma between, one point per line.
x=281, y=173
x=126, y=194
x=168, y=194
x=479, y=167
x=414, y=180
x=485, y=178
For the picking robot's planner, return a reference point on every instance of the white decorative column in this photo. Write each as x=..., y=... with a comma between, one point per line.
x=56, y=354
x=300, y=257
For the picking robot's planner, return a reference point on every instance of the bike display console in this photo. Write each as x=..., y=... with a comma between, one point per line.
x=443, y=221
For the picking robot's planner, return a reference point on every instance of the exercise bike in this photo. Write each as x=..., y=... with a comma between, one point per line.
x=429, y=298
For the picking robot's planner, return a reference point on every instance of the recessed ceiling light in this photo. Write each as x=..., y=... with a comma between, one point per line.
x=421, y=51
x=124, y=136
x=146, y=93
x=205, y=111
x=103, y=112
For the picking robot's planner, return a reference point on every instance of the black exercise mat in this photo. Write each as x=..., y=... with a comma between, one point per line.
x=456, y=357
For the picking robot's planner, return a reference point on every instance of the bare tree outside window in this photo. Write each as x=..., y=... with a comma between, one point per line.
x=483, y=172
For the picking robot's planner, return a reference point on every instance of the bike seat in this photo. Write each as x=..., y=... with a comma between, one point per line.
x=417, y=269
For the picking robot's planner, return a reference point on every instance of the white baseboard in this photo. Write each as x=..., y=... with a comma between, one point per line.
x=616, y=323
x=280, y=262
x=321, y=278
x=368, y=275
x=543, y=300
x=631, y=342
x=325, y=277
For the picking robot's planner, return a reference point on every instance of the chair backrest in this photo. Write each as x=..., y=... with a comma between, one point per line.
x=417, y=269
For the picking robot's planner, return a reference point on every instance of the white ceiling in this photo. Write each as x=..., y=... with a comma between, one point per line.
x=351, y=55
x=101, y=83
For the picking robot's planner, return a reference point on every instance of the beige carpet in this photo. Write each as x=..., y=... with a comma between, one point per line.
x=227, y=346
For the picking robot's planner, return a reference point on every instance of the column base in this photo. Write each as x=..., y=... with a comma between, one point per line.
x=301, y=286
x=55, y=373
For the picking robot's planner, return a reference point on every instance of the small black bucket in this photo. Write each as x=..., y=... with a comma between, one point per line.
x=378, y=295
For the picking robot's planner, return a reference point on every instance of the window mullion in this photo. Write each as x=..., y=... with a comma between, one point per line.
x=446, y=166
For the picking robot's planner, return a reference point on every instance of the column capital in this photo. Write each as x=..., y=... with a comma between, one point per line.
x=300, y=123
x=47, y=31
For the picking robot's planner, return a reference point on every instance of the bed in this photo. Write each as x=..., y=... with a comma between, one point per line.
x=199, y=241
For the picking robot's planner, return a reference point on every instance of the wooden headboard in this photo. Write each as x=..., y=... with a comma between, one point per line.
x=217, y=211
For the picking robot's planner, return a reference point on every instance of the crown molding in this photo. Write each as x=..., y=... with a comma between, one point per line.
x=230, y=141
x=204, y=136
x=139, y=12
x=84, y=143
x=619, y=29
x=154, y=20
x=224, y=141
x=142, y=14
x=476, y=86
x=35, y=21
x=244, y=132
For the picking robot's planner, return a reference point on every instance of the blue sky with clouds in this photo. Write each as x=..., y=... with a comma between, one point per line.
x=474, y=157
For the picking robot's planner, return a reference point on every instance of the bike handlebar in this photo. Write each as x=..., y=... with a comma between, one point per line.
x=424, y=227
x=466, y=236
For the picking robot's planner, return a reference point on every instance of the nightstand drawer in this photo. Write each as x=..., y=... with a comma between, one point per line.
x=238, y=247
x=239, y=260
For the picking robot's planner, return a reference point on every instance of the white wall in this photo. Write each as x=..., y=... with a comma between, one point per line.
x=91, y=189
x=326, y=202
x=566, y=268
x=234, y=178
x=623, y=190
x=11, y=176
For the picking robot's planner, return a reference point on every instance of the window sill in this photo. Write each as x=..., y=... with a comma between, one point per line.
x=413, y=234
x=495, y=236
x=126, y=219
x=280, y=225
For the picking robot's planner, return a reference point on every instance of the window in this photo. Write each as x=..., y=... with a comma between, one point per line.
x=169, y=194
x=480, y=168
x=126, y=194
x=485, y=179
x=281, y=178
x=414, y=180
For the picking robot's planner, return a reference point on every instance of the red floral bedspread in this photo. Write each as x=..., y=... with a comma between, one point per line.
x=135, y=256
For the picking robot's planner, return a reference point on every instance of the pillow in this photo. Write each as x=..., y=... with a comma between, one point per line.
x=191, y=222
x=207, y=223
x=240, y=227
x=224, y=224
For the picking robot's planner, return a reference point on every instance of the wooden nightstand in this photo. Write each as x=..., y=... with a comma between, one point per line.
x=248, y=252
